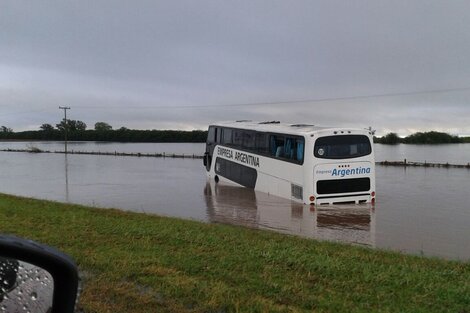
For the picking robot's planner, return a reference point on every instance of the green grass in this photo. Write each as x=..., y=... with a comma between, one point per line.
x=134, y=262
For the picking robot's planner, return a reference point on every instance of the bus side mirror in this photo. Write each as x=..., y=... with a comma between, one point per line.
x=36, y=278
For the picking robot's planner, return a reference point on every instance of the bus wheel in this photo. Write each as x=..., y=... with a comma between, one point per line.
x=216, y=178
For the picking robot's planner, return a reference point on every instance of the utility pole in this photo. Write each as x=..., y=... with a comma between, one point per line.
x=65, y=125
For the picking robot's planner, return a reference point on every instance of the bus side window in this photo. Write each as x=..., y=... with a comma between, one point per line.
x=300, y=150
x=249, y=140
x=211, y=135
x=277, y=146
x=261, y=143
x=227, y=136
x=272, y=145
x=216, y=134
x=219, y=135
x=289, y=148
x=237, y=138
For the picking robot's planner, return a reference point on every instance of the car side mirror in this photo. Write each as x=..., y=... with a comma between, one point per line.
x=35, y=278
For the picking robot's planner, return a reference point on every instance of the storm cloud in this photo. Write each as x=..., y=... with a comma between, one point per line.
x=185, y=64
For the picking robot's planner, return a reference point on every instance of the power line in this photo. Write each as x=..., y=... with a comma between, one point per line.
x=292, y=102
x=24, y=112
x=314, y=100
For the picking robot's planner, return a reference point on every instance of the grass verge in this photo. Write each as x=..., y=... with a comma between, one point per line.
x=133, y=262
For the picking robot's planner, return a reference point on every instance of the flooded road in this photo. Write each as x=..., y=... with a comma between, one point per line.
x=424, y=211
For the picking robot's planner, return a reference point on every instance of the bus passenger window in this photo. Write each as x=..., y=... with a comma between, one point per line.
x=289, y=148
x=272, y=145
x=227, y=136
x=300, y=150
x=216, y=134
x=277, y=146
x=249, y=140
x=238, y=138
x=261, y=143
x=211, y=135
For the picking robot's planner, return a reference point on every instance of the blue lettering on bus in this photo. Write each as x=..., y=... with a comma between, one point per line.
x=349, y=172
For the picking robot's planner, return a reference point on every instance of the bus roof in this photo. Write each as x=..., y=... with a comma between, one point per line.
x=278, y=127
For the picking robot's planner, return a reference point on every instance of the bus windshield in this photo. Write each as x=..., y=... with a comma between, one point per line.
x=342, y=147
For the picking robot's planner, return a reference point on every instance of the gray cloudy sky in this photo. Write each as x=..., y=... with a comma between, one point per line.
x=184, y=64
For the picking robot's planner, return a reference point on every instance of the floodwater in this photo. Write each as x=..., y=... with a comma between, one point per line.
x=452, y=153
x=96, y=146
x=424, y=211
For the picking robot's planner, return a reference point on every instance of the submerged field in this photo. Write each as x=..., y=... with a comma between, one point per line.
x=133, y=262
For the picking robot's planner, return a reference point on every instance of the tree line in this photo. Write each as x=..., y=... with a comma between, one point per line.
x=432, y=137
x=77, y=131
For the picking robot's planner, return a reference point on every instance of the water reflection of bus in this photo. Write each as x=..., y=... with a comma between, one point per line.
x=246, y=207
x=303, y=163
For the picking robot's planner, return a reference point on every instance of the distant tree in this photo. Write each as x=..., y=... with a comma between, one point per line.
x=102, y=126
x=5, y=129
x=61, y=126
x=432, y=137
x=390, y=139
x=47, y=128
x=72, y=125
x=80, y=126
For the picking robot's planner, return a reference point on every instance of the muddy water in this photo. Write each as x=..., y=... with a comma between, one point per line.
x=452, y=153
x=419, y=210
x=241, y=206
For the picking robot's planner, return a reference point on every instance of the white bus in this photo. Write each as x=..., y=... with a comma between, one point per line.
x=304, y=163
